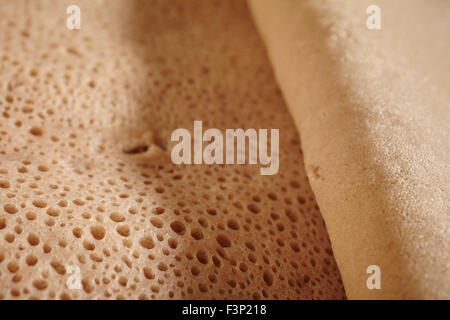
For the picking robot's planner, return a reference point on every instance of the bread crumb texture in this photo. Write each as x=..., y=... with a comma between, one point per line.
x=86, y=178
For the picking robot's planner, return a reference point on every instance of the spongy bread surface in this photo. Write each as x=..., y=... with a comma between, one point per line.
x=86, y=178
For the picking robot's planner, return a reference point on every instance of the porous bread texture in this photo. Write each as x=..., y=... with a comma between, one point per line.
x=85, y=172
x=372, y=107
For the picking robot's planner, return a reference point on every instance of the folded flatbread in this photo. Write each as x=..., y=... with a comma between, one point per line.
x=92, y=206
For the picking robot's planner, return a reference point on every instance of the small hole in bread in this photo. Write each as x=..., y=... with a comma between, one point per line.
x=136, y=150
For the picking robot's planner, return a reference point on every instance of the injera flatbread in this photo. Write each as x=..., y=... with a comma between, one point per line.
x=373, y=111
x=86, y=178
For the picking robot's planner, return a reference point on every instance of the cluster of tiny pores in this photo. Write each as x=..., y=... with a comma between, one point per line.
x=72, y=106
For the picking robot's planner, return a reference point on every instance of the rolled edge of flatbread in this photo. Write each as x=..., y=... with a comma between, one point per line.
x=372, y=110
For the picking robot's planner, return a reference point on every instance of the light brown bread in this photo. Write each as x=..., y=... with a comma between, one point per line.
x=85, y=172
x=372, y=108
